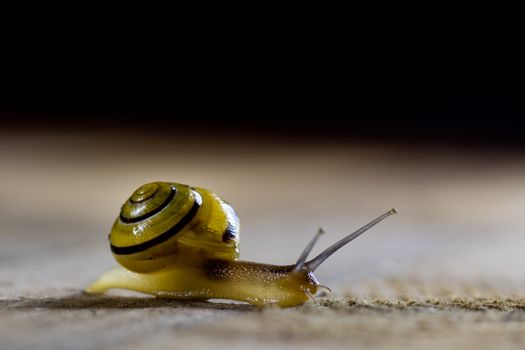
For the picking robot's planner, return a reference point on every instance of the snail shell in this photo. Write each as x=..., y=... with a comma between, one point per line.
x=160, y=218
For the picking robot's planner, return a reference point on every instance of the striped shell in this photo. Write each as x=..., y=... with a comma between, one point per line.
x=161, y=217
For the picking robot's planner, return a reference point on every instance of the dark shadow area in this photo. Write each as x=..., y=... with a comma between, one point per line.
x=78, y=301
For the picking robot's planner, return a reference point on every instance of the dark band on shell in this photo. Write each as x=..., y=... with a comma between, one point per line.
x=164, y=236
x=229, y=234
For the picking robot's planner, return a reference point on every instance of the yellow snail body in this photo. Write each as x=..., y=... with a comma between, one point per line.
x=182, y=242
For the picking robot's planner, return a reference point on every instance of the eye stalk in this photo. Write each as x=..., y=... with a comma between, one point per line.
x=302, y=258
x=313, y=264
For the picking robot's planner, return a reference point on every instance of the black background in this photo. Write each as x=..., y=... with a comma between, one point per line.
x=426, y=89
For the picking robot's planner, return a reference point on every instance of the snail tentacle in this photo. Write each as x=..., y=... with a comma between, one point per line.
x=304, y=255
x=313, y=264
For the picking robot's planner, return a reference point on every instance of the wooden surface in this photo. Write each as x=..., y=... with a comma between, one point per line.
x=459, y=234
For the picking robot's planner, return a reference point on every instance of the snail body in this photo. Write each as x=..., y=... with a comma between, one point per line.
x=258, y=284
x=182, y=242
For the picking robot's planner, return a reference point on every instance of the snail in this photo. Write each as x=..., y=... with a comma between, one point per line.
x=182, y=242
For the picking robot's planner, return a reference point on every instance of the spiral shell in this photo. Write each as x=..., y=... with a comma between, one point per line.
x=161, y=217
